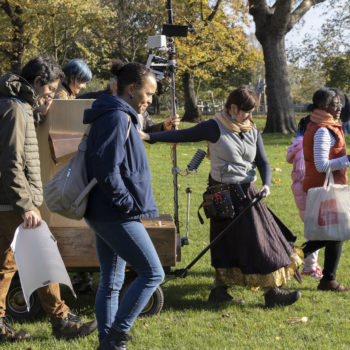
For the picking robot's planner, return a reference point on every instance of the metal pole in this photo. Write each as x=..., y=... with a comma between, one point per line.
x=172, y=68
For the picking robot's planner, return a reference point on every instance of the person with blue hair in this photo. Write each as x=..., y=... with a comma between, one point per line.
x=77, y=74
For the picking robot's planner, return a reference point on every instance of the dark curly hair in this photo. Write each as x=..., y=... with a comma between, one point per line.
x=44, y=67
x=322, y=98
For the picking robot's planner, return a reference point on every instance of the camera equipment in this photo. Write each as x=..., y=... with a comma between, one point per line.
x=157, y=65
x=193, y=165
x=160, y=66
x=157, y=42
x=196, y=160
x=175, y=30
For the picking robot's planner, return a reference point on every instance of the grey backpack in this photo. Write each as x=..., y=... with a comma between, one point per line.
x=67, y=192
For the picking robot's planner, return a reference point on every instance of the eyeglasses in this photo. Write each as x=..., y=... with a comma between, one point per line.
x=336, y=105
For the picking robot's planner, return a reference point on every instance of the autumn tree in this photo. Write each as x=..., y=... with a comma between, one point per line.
x=72, y=29
x=63, y=29
x=129, y=25
x=273, y=20
x=325, y=59
x=16, y=35
x=217, y=43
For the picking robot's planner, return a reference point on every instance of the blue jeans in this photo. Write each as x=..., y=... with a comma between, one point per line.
x=119, y=242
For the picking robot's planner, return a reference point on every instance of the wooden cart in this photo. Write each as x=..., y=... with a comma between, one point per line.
x=59, y=136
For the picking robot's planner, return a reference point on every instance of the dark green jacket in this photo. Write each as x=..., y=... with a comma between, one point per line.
x=20, y=180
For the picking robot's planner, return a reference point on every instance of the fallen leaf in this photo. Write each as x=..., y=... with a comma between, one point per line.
x=277, y=169
x=297, y=319
x=226, y=315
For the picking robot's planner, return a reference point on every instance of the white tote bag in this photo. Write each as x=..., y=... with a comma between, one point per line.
x=327, y=214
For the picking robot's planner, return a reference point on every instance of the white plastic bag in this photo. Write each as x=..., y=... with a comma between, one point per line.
x=327, y=214
x=38, y=260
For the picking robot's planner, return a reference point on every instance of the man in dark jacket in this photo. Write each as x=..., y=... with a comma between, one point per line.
x=21, y=187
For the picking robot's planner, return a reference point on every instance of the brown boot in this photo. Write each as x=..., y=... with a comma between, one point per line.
x=220, y=295
x=332, y=285
x=10, y=334
x=72, y=327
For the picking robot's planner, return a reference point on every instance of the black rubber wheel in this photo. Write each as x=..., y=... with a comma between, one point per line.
x=154, y=305
x=16, y=306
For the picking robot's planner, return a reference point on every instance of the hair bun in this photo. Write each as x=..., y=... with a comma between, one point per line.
x=116, y=67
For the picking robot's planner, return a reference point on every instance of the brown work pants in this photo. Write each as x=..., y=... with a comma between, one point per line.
x=50, y=296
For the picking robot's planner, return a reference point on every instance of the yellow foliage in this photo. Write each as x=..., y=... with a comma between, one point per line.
x=216, y=43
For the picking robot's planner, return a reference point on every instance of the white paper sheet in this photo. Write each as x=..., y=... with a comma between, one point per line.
x=38, y=260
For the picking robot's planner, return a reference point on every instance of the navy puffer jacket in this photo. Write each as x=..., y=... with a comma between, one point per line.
x=120, y=164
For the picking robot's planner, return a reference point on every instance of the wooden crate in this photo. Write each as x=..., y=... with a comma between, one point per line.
x=58, y=138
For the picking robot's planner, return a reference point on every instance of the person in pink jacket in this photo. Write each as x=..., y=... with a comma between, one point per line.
x=295, y=156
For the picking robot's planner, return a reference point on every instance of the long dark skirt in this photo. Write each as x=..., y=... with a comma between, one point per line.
x=258, y=243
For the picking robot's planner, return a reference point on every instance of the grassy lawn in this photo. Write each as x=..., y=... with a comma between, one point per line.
x=187, y=320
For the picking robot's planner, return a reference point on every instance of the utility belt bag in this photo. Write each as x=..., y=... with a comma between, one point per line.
x=217, y=201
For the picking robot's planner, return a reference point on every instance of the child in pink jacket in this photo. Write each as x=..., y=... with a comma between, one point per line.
x=295, y=156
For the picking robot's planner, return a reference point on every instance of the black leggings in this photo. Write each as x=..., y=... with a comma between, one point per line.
x=331, y=256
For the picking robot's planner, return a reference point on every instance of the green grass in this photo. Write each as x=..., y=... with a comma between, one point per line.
x=187, y=320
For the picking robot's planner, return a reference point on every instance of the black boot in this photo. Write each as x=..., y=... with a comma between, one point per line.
x=220, y=295
x=115, y=340
x=281, y=297
x=7, y=333
x=72, y=327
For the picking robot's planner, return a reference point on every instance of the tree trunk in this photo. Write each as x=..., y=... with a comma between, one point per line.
x=280, y=114
x=192, y=112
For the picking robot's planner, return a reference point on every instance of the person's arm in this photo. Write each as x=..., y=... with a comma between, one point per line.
x=322, y=145
x=92, y=94
x=204, y=131
x=149, y=125
x=109, y=154
x=263, y=165
x=12, y=137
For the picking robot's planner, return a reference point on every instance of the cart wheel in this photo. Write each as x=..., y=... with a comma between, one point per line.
x=15, y=304
x=154, y=305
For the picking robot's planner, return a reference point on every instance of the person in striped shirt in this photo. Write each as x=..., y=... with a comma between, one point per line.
x=324, y=148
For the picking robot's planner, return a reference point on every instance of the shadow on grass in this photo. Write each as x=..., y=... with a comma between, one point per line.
x=195, y=297
x=190, y=297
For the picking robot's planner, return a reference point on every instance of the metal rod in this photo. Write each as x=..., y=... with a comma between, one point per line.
x=183, y=272
x=172, y=67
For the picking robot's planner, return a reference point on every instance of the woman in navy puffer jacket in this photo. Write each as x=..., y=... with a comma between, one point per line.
x=117, y=159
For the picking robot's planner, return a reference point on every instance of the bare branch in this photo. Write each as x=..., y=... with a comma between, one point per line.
x=215, y=10
x=300, y=11
x=202, y=16
x=283, y=9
